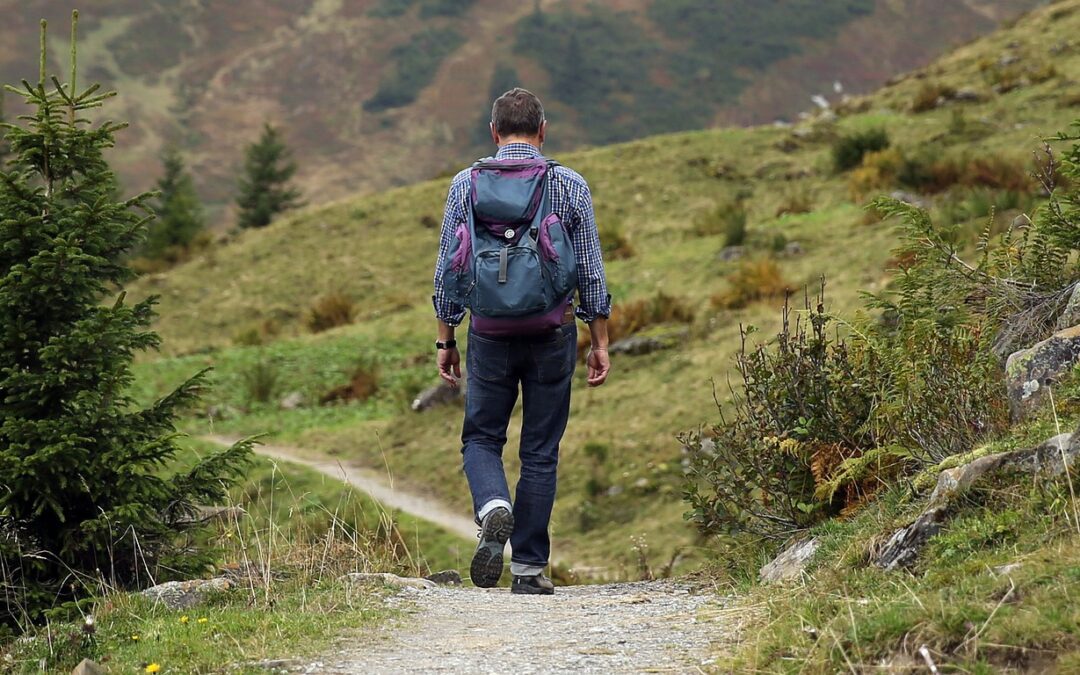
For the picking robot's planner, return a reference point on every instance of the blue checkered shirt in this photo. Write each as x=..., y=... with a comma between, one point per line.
x=571, y=199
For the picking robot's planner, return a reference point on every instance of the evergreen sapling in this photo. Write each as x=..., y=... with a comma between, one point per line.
x=85, y=498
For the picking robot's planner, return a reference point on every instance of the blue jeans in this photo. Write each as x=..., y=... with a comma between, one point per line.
x=542, y=366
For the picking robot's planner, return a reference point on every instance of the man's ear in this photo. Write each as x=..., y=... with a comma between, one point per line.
x=543, y=132
x=494, y=134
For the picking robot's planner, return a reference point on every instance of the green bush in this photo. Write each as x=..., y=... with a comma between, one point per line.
x=728, y=219
x=848, y=150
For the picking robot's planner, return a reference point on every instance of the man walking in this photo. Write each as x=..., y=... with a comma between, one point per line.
x=523, y=225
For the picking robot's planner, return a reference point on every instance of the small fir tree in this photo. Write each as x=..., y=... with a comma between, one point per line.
x=85, y=498
x=179, y=213
x=264, y=187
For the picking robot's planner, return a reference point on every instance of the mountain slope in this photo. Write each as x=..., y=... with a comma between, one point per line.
x=621, y=465
x=379, y=93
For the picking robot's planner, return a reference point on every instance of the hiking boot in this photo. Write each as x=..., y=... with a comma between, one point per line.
x=536, y=584
x=487, y=562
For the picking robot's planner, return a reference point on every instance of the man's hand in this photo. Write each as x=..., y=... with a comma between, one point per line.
x=599, y=365
x=450, y=366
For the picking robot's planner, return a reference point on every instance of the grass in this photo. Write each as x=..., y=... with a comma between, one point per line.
x=959, y=601
x=377, y=250
x=299, y=533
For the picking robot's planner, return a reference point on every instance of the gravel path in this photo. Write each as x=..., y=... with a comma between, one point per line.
x=659, y=626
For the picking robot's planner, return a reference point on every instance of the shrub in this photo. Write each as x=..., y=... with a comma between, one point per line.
x=614, y=241
x=632, y=317
x=930, y=95
x=727, y=219
x=753, y=280
x=795, y=201
x=848, y=150
x=800, y=412
x=362, y=385
x=260, y=381
x=877, y=172
x=331, y=311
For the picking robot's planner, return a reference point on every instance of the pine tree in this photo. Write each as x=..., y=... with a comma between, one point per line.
x=5, y=150
x=84, y=497
x=179, y=213
x=264, y=187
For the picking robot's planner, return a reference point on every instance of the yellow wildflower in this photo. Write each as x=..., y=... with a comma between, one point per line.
x=184, y=619
x=203, y=619
x=135, y=637
x=153, y=667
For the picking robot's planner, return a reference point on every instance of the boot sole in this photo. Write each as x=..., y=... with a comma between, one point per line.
x=487, y=563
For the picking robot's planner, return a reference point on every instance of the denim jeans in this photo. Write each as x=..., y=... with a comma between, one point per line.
x=542, y=366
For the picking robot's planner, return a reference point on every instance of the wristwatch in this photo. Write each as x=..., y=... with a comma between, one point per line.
x=449, y=344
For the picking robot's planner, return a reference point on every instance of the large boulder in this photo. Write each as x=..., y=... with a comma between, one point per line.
x=1029, y=372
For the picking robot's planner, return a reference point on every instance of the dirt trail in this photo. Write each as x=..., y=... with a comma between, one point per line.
x=659, y=626
x=375, y=484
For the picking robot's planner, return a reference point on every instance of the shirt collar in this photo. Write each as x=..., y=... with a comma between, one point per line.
x=517, y=151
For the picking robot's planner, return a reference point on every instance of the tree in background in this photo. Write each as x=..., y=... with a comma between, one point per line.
x=87, y=494
x=179, y=213
x=264, y=187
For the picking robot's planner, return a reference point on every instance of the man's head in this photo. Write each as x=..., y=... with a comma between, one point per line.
x=518, y=116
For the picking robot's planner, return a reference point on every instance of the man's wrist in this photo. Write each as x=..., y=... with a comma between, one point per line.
x=446, y=344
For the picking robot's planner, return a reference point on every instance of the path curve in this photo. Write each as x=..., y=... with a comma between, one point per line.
x=369, y=481
x=656, y=626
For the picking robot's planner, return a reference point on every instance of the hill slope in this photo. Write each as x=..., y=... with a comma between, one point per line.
x=621, y=465
x=355, y=82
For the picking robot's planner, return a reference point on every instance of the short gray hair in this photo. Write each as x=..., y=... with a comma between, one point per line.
x=518, y=112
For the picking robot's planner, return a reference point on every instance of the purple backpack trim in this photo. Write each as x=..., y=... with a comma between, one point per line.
x=534, y=325
x=461, y=256
x=546, y=247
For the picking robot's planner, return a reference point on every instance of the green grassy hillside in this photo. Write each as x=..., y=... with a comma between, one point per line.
x=354, y=83
x=661, y=204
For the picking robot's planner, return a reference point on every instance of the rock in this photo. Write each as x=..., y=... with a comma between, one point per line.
x=792, y=249
x=437, y=395
x=966, y=95
x=1003, y=570
x=1008, y=60
x=790, y=563
x=88, y=667
x=445, y=578
x=952, y=482
x=292, y=401
x=910, y=198
x=387, y=579
x=185, y=594
x=1029, y=371
x=731, y=253
x=1046, y=459
x=904, y=545
x=1070, y=316
x=225, y=514
x=639, y=345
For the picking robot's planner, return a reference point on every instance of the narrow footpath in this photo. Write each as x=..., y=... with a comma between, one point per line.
x=375, y=484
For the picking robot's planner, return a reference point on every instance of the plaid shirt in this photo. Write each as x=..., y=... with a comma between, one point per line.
x=571, y=199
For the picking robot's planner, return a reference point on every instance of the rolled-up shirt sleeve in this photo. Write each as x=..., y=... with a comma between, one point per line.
x=593, y=297
x=446, y=310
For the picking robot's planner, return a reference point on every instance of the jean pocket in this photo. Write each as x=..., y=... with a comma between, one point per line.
x=487, y=359
x=555, y=359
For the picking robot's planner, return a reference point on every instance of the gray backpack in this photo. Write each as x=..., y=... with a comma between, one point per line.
x=511, y=262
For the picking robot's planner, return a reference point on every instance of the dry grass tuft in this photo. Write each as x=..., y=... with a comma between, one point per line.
x=752, y=281
x=331, y=311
